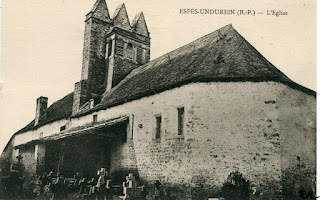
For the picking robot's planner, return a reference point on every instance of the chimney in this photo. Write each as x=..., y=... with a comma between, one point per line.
x=41, y=110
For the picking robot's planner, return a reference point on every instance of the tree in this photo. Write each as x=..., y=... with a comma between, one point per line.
x=236, y=187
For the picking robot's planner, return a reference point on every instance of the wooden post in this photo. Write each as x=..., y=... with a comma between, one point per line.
x=61, y=156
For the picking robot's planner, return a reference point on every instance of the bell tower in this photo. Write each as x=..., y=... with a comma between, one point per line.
x=128, y=46
x=112, y=48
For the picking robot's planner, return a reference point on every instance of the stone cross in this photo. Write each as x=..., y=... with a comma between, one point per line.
x=19, y=157
x=129, y=187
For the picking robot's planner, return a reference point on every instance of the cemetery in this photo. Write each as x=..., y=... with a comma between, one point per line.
x=55, y=186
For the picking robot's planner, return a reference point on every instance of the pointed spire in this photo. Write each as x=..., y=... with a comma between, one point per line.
x=121, y=18
x=139, y=24
x=99, y=10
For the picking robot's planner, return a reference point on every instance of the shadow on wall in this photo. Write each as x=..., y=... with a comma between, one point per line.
x=297, y=185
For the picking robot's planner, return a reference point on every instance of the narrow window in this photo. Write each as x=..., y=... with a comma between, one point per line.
x=120, y=46
x=95, y=118
x=109, y=48
x=180, y=120
x=91, y=103
x=144, y=56
x=62, y=128
x=139, y=55
x=130, y=51
x=158, y=127
x=40, y=135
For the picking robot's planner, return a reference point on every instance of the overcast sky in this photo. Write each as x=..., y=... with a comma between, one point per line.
x=42, y=43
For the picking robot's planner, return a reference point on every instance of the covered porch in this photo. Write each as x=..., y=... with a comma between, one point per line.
x=84, y=150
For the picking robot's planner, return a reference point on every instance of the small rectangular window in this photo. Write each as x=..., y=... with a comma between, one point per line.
x=95, y=118
x=40, y=135
x=158, y=127
x=180, y=120
x=62, y=128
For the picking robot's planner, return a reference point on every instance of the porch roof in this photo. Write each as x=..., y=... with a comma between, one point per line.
x=93, y=128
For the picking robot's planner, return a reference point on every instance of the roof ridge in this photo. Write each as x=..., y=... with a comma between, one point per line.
x=153, y=62
x=65, y=96
x=135, y=19
x=271, y=66
x=98, y=5
x=117, y=10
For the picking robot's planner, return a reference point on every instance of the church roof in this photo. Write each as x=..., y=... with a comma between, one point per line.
x=100, y=10
x=221, y=56
x=139, y=24
x=58, y=110
x=120, y=17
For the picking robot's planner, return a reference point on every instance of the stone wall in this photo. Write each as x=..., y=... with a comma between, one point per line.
x=123, y=155
x=264, y=130
x=79, y=95
x=121, y=68
x=8, y=152
x=93, y=68
x=30, y=165
x=228, y=126
x=42, y=131
x=297, y=115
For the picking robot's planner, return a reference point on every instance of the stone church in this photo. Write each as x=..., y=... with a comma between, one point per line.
x=206, y=109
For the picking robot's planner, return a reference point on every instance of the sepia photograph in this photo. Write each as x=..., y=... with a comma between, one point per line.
x=158, y=100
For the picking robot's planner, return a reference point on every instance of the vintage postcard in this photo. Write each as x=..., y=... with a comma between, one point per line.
x=171, y=99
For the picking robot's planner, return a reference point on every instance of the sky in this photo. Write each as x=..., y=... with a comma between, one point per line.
x=42, y=41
